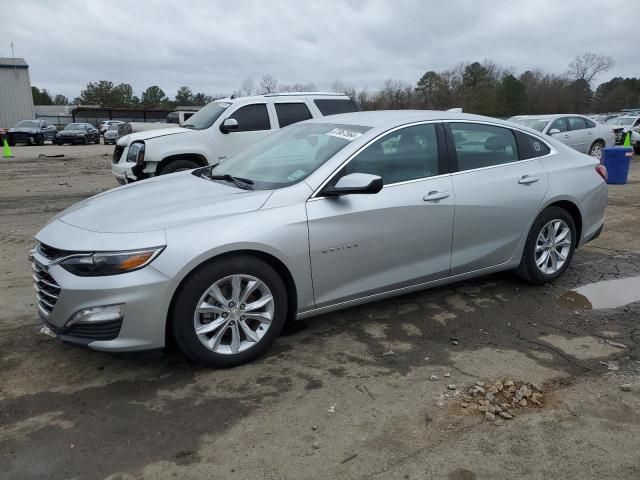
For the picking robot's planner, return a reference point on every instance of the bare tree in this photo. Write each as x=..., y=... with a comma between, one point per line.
x=246, y=87
x=269, y=84
x=337, y=86
x=588, y=65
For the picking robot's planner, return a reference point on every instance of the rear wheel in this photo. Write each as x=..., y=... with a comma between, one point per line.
x=85, y=140
x=39, y=140
x=596, y=149
x=178, y=166
x=229, y=312
x=97, y=139
x=549, y=247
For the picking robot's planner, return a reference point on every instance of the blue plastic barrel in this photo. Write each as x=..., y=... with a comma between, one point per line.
x=617, y=161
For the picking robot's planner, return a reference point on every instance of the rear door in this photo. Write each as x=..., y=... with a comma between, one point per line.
x=580, y=133
x=565, y=136
x=291, y=112
x=362, y=245
x=497, y=192
x=253, y=124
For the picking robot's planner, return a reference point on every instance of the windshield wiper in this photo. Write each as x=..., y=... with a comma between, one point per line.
x=240, y=182
x=188, y=125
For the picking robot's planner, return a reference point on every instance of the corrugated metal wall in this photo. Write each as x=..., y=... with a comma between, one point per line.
x=16, y=102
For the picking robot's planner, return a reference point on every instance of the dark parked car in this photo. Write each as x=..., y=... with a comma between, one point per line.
x=31, y=131
x=78, y=133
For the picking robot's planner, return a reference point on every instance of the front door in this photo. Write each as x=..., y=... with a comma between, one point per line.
x=366, y=244
x=253, y=124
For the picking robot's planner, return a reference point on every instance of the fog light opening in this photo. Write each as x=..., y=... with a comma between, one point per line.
x=106, y=313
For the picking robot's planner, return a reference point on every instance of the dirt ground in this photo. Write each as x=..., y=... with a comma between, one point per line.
x=352, y=394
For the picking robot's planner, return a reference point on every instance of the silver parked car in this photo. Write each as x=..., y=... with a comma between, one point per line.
x=577, y=131
x=318, y=216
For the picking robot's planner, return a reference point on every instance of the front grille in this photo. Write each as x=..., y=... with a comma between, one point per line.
x=52, y=253
x=47, y=289
x=117, y=153
x=95, y=330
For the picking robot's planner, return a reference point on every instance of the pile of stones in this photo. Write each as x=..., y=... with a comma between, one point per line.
x=502, y=399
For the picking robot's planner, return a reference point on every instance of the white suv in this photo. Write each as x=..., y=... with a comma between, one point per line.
x=218, y=130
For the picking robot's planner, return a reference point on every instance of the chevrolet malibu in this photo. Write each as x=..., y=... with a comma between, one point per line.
x=318, y=216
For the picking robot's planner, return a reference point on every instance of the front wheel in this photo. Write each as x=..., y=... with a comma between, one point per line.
x=549, y=247
x=179, y=165
x=596, y=150
x=39, y=140
x=229, y=311
x=85, y=140
x=97, y=139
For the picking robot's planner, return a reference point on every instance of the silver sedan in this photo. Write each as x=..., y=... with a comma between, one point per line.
x=579, y=132
x=318, y=216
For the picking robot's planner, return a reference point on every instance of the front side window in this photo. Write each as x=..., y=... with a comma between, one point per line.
x=251, y=118
x=559, y=124
x=289, y=155
x=173, y=118
x=478, y=145
x=289, y=113
x=406, y=154
x=577, y=123
x=334, y=107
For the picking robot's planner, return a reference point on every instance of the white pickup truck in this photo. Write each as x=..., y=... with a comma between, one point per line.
x=218, y=130
x=174, y=119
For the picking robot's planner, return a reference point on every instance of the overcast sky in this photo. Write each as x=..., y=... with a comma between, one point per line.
x=213, y=45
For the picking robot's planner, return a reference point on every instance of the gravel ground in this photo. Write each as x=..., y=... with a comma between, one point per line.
x=378, y=391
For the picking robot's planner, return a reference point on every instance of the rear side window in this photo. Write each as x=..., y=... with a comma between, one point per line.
x=289, y=113
x=530, y=147
x=334, y=107
x=251, y=118
x=589, y=123
x=577, y=123
x=478, y=145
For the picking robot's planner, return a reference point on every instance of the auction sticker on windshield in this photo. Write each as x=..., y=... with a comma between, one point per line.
x=344, y=133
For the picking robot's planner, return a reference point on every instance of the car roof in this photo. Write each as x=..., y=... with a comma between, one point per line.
x=287, y=95
x=382, y=118
x=551, y=115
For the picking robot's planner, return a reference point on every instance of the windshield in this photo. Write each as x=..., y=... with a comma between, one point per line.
x=75, y=126
x=288, y=155
x=535, y=123
x=28, y=124
x=113, y=126
x=205, y=117
x=621, y=121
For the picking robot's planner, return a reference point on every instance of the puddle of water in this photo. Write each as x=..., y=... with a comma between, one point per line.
x=605, y=294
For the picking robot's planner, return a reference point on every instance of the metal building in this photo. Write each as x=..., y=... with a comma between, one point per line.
x=16, y=102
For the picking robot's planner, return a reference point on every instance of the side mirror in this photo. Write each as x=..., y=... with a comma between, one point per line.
x=228, y=125
x=355, y=183
x=553, y=131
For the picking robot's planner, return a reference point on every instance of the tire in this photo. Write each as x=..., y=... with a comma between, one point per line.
x=59, y=143
x=636, y=149
x=39, y=140
x=178, y=166
x=11, y=142
x=197, y=289
x=85, y=140
x=596, y=149
x=528, y=269
x=98, y=140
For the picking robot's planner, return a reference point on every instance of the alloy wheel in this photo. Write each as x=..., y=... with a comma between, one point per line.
x=596, y=151
x=553, y=246
x=233, y=314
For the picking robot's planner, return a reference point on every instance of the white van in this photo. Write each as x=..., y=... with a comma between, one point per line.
x=218, y=130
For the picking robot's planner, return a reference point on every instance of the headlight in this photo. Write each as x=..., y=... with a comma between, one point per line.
x=136, y=152
x=109, y=263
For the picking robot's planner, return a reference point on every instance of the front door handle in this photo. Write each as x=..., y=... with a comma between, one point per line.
x=527, y=179
x=566, y=135
x=435, y=196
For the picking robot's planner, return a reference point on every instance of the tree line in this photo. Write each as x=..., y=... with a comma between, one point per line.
x=484, y=87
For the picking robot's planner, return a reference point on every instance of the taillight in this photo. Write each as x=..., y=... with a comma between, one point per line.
x=602, y=171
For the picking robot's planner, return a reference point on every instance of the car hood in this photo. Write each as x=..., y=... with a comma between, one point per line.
x=71, y=132
x=160, y=203
x=149, y=134
x=23, y=130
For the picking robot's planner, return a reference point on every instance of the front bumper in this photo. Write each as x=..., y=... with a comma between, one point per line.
x=143, y=293
x=126, y=172
x=20, y=137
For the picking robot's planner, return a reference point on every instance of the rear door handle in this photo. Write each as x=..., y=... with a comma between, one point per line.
x=435, y=196
x=526, y=180
x=566, y=136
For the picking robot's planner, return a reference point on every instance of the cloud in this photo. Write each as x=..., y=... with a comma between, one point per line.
x=212, y=46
